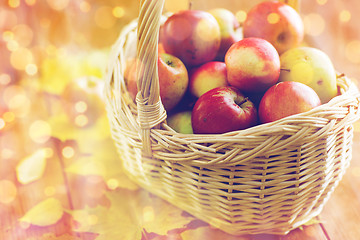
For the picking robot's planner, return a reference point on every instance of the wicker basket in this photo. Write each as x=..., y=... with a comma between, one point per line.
x=270, y=178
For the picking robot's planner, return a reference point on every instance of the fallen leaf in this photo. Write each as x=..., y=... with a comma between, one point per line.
x=45, y=213
x=32, y=167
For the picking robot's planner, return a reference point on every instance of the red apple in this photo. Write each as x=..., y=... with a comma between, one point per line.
x=230, y=31
x=206, y=77
x=276, y=22
x=286, y=99
x=253, y=65
x=222, y=110
x=191, y=35
x=173, y=79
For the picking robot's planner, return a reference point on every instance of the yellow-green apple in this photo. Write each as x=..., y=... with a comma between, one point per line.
x=206, y=77
x=286, y=99
x=180, y=122
x=230, y=31
x=222, y=110
x=173, y=80
x=312, y=67
x=253, y=65
x=277, y=22
x=191, y=35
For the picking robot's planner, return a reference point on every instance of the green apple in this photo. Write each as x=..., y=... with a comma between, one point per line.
x=181, y=122
x=312, y=67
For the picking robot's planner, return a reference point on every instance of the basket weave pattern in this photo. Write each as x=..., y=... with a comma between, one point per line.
x=267, y=179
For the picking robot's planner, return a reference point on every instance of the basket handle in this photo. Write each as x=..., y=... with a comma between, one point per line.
x=151, y=112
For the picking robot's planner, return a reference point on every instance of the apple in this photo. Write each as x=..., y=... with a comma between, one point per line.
x=276, y=22
x=173, y=79
x=180, y=122
x=253, y=65
x=191, y=35
x=222, y=110
x=206, y=77
x=286, y=99
x=312, y=67
x=230, y=31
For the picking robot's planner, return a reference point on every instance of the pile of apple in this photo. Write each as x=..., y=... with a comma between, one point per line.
x=216, y=76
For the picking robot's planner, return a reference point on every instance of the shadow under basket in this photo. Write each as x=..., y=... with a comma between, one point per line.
x=270, y=178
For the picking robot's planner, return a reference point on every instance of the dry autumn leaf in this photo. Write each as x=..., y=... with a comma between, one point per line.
x=32, y=167
x=45, y=213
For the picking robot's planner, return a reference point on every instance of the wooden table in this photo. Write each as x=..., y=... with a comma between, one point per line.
x=60, y=176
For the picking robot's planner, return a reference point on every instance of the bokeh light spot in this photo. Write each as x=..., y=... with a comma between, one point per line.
x=40, y=131
x=31, y=69
x=9, y=116
x=104, y=17
x=12, y=45
x=7, y=36
x=14, y=3
x=8, y=191
x=241, y=16
x=112, y=183
x=118, y=12
x=58, y=4
x=314, y=24
x=81, y=120
x=2, y=123
x=352, y=51
x=68, y=152
x=4, y=79
x=321, y=2
x=344, y=16
x=85, y=6
x=21, y=58
x=273, y=18
x=23, y=34
x=81, y=106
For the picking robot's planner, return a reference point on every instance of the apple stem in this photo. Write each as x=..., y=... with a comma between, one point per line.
x=190, y=5
x=285, y=69
x=243, y=101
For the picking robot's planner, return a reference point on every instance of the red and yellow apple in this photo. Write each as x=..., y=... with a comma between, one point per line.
x=312, y=67
x=206, y=77
x=222, y=110
x=191, y=35
x=173, y=79
x=230, y=31
x=285, y=99
x=277, y=22
x=253, y=65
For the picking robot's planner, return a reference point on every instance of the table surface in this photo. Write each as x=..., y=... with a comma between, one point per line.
x=60, y=175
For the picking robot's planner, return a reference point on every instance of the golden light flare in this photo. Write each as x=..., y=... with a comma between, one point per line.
x=81, y=120
x=4, y=79
x=14, y=3
x=112, y=183
x=40, y=131
x=8, y=116
x=273, y=18
x=23, y=35
x=2, y=124
x=85, y=6
x=314, y=24
x=241, y=16
x=118, y=12
x=8, y=191
x=81, y=106
x=12, y=45
x=31, y=69
x=16, y=100
x=20, y=58
x=30, y=2
x=104, y=17
x=352, y=51
x=345, y=16
x=321, y=2
x=58, y=5
x=68, y=152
